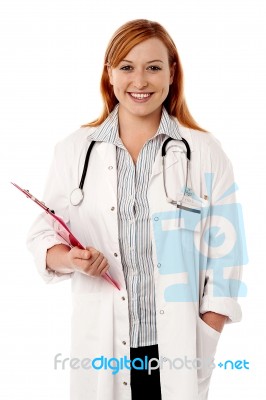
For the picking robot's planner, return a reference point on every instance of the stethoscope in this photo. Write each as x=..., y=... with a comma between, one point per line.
x=77, y=194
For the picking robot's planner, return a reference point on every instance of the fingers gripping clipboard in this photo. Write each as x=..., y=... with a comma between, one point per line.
x=62, y=229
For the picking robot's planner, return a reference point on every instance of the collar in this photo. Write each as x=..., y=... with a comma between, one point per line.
x=108, y=131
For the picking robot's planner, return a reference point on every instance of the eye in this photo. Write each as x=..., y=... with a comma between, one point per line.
x=126, y=68
x=154, y=68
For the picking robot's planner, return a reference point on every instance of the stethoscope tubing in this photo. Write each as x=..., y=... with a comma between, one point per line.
x=183, y=140
x=76, y=198
x=86, y=162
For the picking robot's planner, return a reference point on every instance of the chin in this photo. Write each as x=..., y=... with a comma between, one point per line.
x=144, y=110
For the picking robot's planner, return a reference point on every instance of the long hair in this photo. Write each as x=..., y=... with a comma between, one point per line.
x=123, y=40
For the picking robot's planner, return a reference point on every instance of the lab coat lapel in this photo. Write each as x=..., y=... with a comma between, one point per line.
x=172, y=155
x=107, y=153
x=171, y=158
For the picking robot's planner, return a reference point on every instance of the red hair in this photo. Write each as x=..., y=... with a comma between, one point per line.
x=123, y=40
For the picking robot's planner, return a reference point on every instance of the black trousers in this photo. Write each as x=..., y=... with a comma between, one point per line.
x=143, y=385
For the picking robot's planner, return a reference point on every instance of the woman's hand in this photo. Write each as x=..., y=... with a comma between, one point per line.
x=214, y=320
x=65, y=260
x=90, y=261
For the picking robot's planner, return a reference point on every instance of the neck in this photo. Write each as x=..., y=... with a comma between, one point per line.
x=131, y=125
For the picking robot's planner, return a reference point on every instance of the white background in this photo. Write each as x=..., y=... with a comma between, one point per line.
x=51, y=59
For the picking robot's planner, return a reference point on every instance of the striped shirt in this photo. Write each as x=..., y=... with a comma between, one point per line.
x=134, y=222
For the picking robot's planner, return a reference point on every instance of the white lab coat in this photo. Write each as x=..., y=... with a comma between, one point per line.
x=100, y=321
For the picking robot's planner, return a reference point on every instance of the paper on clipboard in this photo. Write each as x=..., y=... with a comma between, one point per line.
x=62, y=229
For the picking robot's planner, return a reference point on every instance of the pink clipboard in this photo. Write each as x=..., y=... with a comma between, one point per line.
x=62, y=229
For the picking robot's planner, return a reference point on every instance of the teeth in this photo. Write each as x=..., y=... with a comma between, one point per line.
x=140, y=95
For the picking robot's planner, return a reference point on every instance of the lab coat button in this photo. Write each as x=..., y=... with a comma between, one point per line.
x=115, y=254
x=159, y=265
x=161, y=311
x=156, y=219
x=123, y=298
x=112, y=208
x=125, y=383
x=110, y=167
x=124, y=342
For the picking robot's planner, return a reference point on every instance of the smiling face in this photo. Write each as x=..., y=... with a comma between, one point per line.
x=141, y=80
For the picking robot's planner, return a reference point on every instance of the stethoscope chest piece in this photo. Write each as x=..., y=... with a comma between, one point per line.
x=76, y=197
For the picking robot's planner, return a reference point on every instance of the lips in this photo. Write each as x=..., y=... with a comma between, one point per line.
x=140, y=96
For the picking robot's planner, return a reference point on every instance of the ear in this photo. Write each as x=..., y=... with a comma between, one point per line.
x=172, y=72
x=109, y=70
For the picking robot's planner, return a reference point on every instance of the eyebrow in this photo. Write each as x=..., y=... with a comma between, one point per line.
x=148, y=62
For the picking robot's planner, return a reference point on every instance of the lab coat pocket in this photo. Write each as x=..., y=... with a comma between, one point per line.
x=176, y=233
x=192, y=218
x=207, y=340
x=190, y=228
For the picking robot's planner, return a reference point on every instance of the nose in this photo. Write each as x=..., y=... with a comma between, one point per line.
x=140, y=85
x=140, y=82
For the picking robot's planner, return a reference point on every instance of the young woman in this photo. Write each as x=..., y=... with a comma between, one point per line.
x=144, y=209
